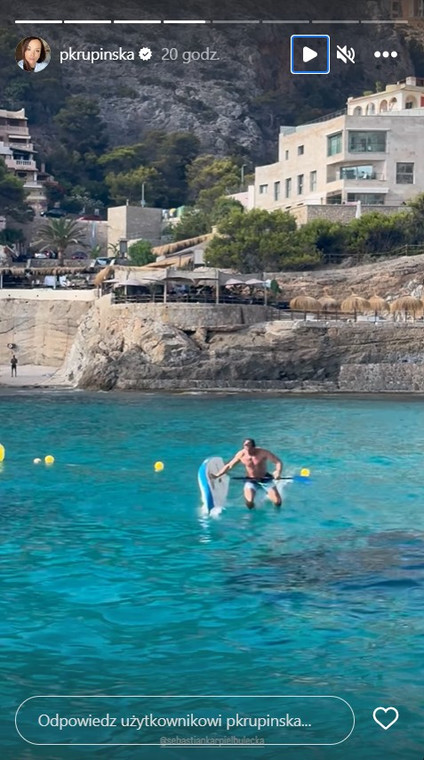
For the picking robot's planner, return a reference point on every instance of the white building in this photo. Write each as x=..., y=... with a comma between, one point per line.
x=372, y=152
x=18, y=153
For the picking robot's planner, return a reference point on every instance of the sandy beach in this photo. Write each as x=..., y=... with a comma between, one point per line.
x=31, y=376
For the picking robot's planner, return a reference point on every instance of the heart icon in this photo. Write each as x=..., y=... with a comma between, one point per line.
x=389, y=716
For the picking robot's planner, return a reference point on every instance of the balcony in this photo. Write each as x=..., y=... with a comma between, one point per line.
x=354, y=177
x=344, y=186
x=24, y=144
x=14, y=163
x=33, y=185
x=13, y=131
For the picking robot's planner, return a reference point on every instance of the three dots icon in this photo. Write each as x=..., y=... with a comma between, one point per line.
x=386, y=54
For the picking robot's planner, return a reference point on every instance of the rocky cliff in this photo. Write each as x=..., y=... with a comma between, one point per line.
x=117, y=349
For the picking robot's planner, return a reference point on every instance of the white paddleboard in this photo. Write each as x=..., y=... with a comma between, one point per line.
x=214, y=491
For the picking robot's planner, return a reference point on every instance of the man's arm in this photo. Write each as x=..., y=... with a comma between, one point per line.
x=228, y=466
x=278, y=464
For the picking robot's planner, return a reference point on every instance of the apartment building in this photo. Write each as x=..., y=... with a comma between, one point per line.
x=18, y=153
x=371, y=152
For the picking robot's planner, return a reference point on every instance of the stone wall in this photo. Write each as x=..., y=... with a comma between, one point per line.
x=42, y=328
x=192, y=316
x=344, y=213
x=384, y=377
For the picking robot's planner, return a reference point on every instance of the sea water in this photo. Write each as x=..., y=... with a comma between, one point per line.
x=113, y=581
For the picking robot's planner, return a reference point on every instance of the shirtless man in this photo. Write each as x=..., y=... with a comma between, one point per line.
x=255, y=462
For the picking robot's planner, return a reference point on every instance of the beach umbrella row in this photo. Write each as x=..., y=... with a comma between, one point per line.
x=356, y=304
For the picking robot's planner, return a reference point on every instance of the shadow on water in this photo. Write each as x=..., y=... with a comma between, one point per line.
x=391, y=560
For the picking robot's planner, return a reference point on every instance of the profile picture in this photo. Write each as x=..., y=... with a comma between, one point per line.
x=33, y=54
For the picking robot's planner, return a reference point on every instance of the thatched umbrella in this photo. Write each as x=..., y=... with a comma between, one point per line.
x=305, y=303
x=328, y=303
x=407, y=305
x=378, y=305
x=355, y=304
x=102, y=275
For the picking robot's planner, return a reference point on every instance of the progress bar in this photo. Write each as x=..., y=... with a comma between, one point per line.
x=182, y=22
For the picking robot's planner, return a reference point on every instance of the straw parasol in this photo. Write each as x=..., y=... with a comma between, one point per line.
x=407, y=305
x=328, y=303
x=355, y=304
x=305, y=303
x=378, y=305
x=102, y=276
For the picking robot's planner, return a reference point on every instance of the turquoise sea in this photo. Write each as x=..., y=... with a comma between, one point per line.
x=114, y=583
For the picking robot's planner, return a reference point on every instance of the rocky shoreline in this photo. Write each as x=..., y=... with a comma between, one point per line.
x=130, y=354
x=101, y=345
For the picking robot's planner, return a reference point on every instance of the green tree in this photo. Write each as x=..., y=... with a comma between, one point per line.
x=168, y=154
x=140, y=253
x=80, y=127
x=222, y=207
x=171, y=154
x=196, y=221
x=12, y=196
x=193, y=223
x=376, y=233
x=60, y=234
x=329, y=238
x=415, y=221
x=259, y=241
x=128, y=185
x=10, y=236
x=209, y=178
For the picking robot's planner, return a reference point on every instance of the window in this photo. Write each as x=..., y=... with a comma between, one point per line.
x=367, y=199
x=404, y=174
x=396, y=9
x=335, y=199
x=357, y=172
x=300, y=150
x=263, y=189
x=300, y=181
x=288, y=188
x=313, y=181
x=277, y=187
x=287, y=155
x=364, y=142
x=334, y=144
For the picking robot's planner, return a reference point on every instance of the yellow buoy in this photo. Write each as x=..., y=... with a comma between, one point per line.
x=305, y=473
x=159, y=466
x=37, y=460
x=2, y=452
x=49, y=459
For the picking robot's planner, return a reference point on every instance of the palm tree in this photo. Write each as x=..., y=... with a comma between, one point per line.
x=59, y=234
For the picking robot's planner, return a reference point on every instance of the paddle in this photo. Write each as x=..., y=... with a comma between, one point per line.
x=302, y=478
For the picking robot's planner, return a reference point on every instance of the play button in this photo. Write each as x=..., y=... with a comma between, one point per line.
x=309, y=54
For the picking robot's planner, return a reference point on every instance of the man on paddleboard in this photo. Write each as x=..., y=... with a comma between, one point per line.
x=255, y=461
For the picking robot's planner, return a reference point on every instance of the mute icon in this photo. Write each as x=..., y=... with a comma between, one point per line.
x=346, y=55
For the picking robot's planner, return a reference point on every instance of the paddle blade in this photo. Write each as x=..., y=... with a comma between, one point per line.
x=301, y=479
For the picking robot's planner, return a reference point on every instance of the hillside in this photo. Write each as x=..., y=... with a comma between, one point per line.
x=235, y=104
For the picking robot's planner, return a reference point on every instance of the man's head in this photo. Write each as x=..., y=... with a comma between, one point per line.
x=249, y=444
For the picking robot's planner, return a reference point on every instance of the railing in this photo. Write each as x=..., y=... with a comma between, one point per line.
x=374, y=175
x=191, y=298
x=280, y=311
x=327, y=117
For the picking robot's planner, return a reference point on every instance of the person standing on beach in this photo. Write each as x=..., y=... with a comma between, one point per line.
x=255, y=461
x=13, y=365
